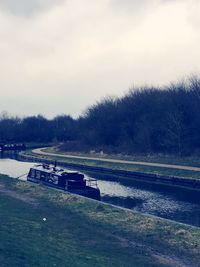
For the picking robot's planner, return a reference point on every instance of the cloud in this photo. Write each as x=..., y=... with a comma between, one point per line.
x=133, y=8
x=193, y=14
x=79, y=51
x=131, y=4
x=27, y=8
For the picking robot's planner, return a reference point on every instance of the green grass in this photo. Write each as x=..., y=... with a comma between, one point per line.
x=83, y=232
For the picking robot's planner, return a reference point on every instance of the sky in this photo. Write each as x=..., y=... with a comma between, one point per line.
x=61, y=56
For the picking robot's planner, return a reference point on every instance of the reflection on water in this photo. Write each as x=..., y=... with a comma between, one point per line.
x=165, y=201
x=179, y=204
x=155, y=203
x=14, y=168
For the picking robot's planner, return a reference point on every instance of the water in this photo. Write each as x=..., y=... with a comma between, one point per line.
x=175, y=203
x=178, y=204
x=14, y=168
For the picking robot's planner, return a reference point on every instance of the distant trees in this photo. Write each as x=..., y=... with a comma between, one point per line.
x=8, y=126
x=64, y=128
x=37, y=129
x=146, y=120
x=99, y=124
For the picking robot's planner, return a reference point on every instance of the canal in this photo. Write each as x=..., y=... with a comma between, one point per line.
x=174, y=203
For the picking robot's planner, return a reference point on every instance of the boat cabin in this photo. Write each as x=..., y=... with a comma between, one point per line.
x=57, y=177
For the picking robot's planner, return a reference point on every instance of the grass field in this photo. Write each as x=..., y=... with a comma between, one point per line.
x=83, y=232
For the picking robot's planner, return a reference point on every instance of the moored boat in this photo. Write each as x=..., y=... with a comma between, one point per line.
x=70, y=181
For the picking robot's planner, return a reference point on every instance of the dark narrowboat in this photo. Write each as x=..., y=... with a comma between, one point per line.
x=70, y=181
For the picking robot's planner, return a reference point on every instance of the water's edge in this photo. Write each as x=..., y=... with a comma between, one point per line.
x=165, y=201
x=146, y=177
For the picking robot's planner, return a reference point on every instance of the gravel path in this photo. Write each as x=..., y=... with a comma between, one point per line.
x=179, y=167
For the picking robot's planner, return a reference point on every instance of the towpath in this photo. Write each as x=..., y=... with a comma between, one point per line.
x=179, y=167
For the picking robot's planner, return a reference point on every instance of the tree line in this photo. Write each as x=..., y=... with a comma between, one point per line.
x=145, y=120
x=36, y=128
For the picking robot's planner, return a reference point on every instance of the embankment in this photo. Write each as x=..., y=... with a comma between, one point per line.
x=45, y=227
x=138, y=175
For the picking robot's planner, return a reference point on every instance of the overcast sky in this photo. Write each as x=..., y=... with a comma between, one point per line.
x=59, y=56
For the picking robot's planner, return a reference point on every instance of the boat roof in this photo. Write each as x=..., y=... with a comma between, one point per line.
x=52, y=169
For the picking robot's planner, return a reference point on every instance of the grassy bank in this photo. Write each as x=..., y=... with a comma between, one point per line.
x=193, y=161
x=119, y=166
x=83, y=232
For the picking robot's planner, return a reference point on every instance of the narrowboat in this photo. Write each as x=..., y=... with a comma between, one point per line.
x=70, y=181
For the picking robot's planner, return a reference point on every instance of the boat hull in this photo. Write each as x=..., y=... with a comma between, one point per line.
x=88, y=191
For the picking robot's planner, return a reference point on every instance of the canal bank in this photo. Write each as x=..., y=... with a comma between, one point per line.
x=188, y=182
x=174, y=203
x=75, y=231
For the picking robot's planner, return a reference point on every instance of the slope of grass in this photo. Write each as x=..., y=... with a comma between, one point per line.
x=83, y=232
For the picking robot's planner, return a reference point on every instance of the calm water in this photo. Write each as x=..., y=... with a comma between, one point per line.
x=164, y=201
